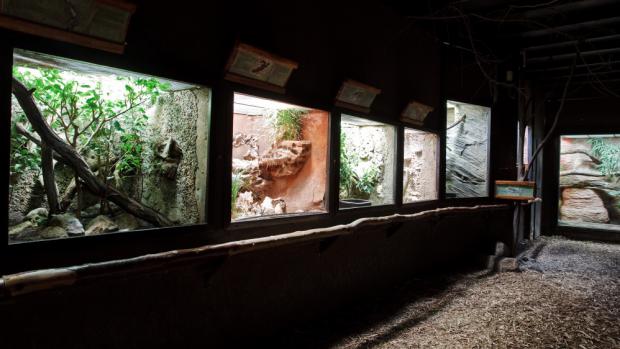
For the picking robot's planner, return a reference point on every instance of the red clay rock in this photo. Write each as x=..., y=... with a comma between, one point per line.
x=582, y=205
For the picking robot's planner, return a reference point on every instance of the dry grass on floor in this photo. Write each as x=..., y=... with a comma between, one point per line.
x=567, y=296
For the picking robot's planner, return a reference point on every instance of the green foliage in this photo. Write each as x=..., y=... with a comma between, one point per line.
x=352, y=183
x=288, y=124
x=22, y=157
x=90, y=119
x=238, y=183
x=608, y=154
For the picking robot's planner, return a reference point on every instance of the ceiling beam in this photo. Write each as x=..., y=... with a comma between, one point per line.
x=554, y=58
x=567, y=7
x=570, y=43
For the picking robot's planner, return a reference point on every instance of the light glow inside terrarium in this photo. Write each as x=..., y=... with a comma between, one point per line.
x=419, y=166
x=367, y=151
x=589, y=181
x=279, y=160
x=141, y=141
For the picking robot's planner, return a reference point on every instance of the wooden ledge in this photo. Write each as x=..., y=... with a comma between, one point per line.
x=33, y=281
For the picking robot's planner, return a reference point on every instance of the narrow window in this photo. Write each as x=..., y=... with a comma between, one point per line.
x=279, y=158
x=589, y=176
x=419, y=166
x=367, y=151
x=103, y=150
x=467, y=135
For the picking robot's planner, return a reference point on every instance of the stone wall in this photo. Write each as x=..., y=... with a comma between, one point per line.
x=467, y=151
x=586, y=195
x=375, y=146
x=305, y=190
x=419, y=166
x=180, y=117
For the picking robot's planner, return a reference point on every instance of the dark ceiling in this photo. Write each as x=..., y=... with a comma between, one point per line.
x=541, y=39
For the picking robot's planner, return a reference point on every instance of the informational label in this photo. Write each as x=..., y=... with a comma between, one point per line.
x=415, y=113
x=357, y=94
x=514, y=190
x=106, y=20
x=259, y=65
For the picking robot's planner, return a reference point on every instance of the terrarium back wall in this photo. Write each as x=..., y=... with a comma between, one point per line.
x=279, y=158
x=367, y=163
x=467, y=132
x=143, y=137
x=589, y=188
x=419, y=166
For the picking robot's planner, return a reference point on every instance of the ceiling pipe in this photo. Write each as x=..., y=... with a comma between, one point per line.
x=568, y=7
x=569, y=27
x=572, y=43
x=553, y=58
x=567, y=67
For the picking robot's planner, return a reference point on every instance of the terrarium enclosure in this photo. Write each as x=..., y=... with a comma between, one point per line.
x=419, y=166
x=467, y=142
x=279, y=158
x=590, y=181
x=367, y=160
x=97, y=150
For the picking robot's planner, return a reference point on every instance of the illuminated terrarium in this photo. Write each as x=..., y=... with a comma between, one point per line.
x=279, y=160
x=97, y=150
x=590, y=181
x=419, y=166
x=367, y=151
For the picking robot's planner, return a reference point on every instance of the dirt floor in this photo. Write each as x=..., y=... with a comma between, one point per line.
x=566, y=295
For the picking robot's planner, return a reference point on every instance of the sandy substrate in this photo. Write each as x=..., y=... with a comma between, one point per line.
x=567, y=295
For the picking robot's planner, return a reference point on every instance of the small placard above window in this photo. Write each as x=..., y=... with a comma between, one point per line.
x=100, y=24
x=415, y=113
x=356, y=96
x=514, y=190
x=251, y=66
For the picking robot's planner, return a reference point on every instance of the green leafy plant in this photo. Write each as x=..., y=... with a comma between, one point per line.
x=352, y=183
x=608, y=155
x=238, y=183
x=288, y=124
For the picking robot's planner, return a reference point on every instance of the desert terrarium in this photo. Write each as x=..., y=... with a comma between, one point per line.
x=97, y=150
x=367, y=151
x=467, y=147
x=279, y=160
x=419, y=166
x=590, y=181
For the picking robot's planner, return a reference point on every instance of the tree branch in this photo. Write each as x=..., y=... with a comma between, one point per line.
x=73, y=159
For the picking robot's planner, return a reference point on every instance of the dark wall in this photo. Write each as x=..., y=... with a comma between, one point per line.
x=247, y=297
x=261, y=291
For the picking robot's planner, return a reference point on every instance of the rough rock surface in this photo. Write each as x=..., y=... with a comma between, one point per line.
x=466, y=152
x=68, y=222
x=582, y=205
x=101, y=225
x=126, y=222
x=419, y=166
x=53, y=232
x=38, y=214
x=285, y=159
x=17, y=230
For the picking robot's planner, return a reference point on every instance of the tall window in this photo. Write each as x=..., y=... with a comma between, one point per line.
x=419, y=166
x=279, y=158
x=467, y=142
x=103, y=150
x=589, y=188
x=367, y=151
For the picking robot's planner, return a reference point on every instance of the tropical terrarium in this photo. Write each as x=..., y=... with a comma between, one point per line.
x=97, y=150
x=590, y=181
x=279, y=158
x=366, y=162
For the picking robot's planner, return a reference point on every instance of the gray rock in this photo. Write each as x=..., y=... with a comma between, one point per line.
x=53, y=232
x=37, y=215
x=20, y=229
x=126, y=221
x=15, y=218
x=507, y=264
x=101, y=225
x=69, y=222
